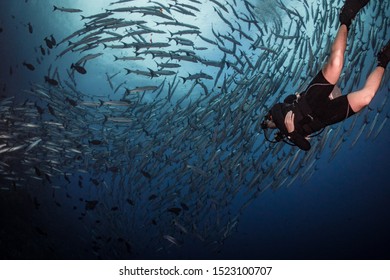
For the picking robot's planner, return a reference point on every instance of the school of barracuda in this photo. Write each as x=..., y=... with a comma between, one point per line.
x=179, y=155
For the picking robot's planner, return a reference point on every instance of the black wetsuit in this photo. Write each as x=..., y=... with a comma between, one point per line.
x=313, y=111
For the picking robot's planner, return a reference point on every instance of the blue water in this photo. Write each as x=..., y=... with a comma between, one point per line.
x=341, y=211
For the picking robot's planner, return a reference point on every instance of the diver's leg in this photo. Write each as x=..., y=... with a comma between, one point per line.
x=333, y=67
x=360, y=99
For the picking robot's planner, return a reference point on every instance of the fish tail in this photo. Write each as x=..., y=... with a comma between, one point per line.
x=128, y=71
x=54, y=8
x=115, y=58
x=184, y=80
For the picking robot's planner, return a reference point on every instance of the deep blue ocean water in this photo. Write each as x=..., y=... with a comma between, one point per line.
x=340, y=212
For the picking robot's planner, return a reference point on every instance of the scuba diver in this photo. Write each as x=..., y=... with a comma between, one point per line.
x=321, y=104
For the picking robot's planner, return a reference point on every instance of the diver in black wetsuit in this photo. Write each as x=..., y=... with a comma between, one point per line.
x=322, y=104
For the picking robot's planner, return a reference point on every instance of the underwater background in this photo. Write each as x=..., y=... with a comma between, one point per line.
x=131, y=130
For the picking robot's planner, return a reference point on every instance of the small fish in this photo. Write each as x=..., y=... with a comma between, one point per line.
x=52, y=40
x=66, y=10
x=51, y=110
x=180, y=226
x=172, y=240
x=146, y=174
x=95, y=142
x=29, y=66
x=168, y=65
x=78, y=68
x=32, y=145
x=174, y=210
x=49, y=43
x=51, y=81
x=141, y=89
x=71, y=101
x=43, y=52
x=128, y=58
x=129, y=201
x=197, y=76
x=66, y=178
x=30, y=28
x=37, y=171
x=90, y=204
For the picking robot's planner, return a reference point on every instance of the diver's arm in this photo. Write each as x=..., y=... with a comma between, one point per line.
x=293, y=135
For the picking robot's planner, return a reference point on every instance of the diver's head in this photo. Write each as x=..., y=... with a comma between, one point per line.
x=274, y=119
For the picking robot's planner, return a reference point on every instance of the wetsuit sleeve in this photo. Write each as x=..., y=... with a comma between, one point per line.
x=299, y=140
